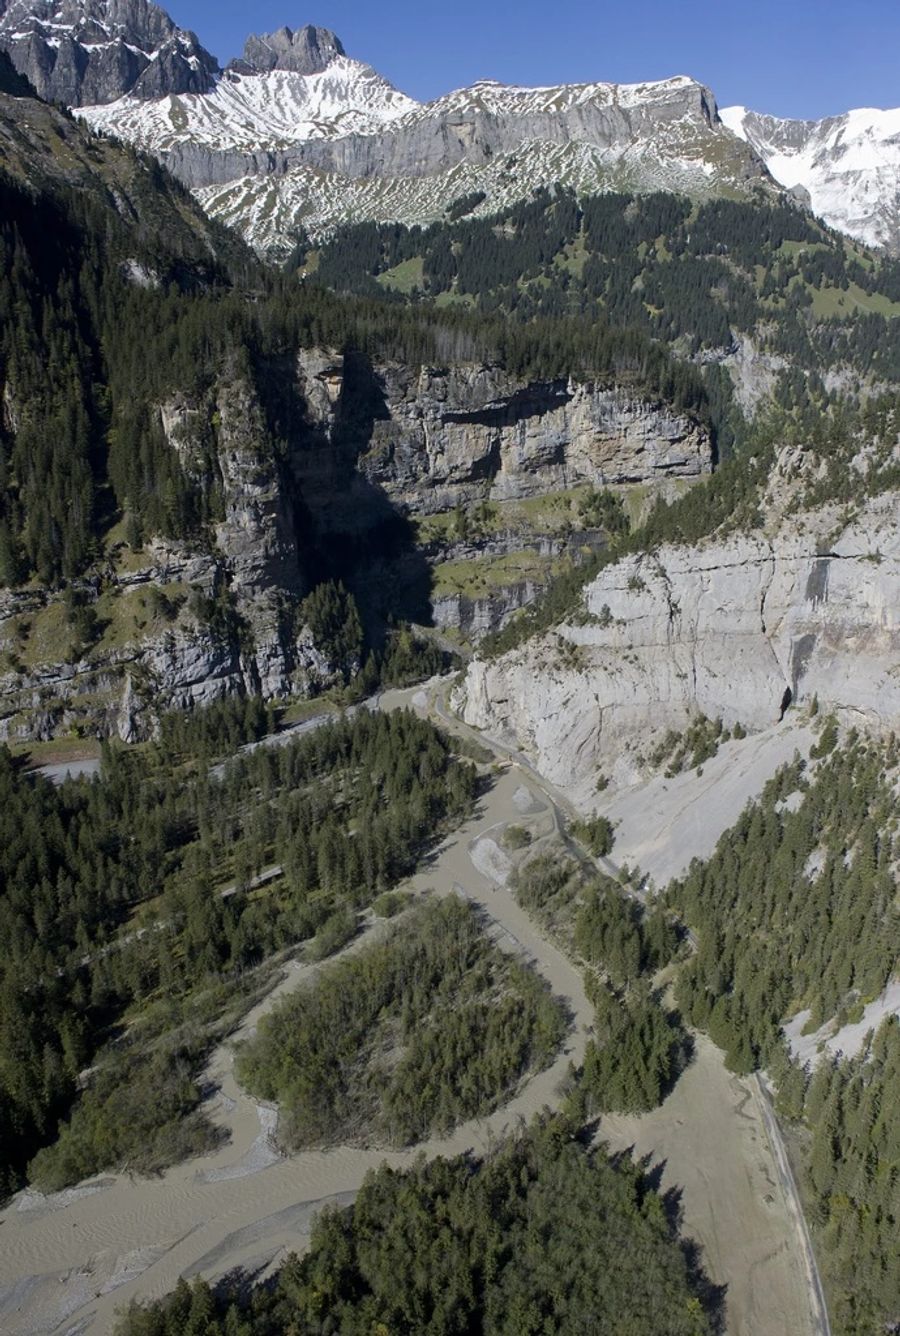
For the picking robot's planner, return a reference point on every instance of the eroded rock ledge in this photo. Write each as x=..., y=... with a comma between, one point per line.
x=362, y=445
x=724, y=629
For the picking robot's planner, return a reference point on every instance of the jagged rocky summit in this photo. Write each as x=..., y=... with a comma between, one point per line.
x=87, y=52
x=309, y=50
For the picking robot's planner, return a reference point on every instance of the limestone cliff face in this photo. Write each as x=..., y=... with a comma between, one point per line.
x=675, y=120
x=429, y=438
x=452, y=435
x=256, y=539
x=360, y=446
x=117, y=689
x=477, y=616
x=723, y=629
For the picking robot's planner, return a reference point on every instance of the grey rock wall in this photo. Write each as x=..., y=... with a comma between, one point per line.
x=364, y=444
x=678, y=119
x=87, y=52
x=309, y=50
x=723, y=629
x=434, y=437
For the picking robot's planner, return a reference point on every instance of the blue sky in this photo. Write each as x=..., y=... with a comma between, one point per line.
x=793, y=58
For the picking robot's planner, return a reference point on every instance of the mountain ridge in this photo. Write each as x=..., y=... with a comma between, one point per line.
x=295, y=132
x=298, y=117
x=343, y=141
x=80, y=51
x=847, y=166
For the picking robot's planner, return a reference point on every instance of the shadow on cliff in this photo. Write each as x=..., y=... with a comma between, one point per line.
x=347, y=528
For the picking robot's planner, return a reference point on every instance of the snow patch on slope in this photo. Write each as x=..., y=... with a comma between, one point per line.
x=270, y=211
x=259, y=112
x=509, y=100
x=848, y=165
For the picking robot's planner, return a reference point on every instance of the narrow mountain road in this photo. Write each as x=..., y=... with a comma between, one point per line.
x=792, y=1194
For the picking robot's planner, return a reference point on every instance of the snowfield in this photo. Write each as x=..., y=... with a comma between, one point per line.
x=848, y=165
x=257, y=112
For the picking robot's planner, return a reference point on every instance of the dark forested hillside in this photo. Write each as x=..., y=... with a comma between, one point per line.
x=695, y=276
x=93, y=239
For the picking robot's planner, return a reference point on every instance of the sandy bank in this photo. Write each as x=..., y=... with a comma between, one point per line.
x=77, y=1260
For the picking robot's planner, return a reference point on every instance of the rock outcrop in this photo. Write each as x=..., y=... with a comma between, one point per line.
x=12, y=83
x=256, y=538
x=725, y=629
x=309, y=50
x=89, y=52
x=476, y=617
x=429, y=438
x=118, y=690
x=363, y=447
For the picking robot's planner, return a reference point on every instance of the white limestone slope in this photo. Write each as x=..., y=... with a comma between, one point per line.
x=492, y=98
x=721, y=629
x=271, y=153
x=848, y=165
x=259, y=112
x=269, y=210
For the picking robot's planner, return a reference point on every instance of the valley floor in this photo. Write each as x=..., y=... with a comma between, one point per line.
x=68, y=1263
x=710, y=1139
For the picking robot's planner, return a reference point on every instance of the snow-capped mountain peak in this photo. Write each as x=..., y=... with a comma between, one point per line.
x=494, y=98
x=848, y=166
x=256, y=112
